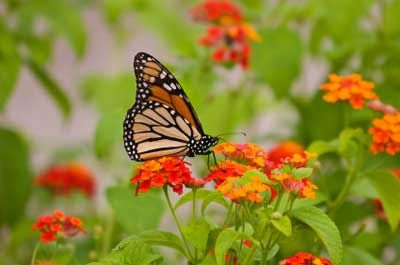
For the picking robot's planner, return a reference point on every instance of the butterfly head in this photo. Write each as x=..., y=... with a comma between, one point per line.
x=202, y=146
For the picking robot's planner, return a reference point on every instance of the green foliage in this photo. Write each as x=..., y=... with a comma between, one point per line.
x=162, y=238
x=197, y=233
x=15, y=176
x=284, y=225
x=276, y=59
x=325, y=229
x=131, y=251
x=135, y=213
x=225, y=241
x=353, y=255
x=388, y=189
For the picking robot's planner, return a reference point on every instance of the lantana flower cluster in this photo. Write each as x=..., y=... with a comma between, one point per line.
x=63, y=179
x=57, y=225
x=228, y=33
x=385, y=131
x=304, y=258
x=171, y=171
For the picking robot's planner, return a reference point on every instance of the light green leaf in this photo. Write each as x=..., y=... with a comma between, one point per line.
x=131, y=251
x=283, y=225
x=325, y=228
x=354, y=255
x=108, y=133
x=276, y=59
x=224, y=241
x=53, y=89
x=255, y=173
x=213, y=197
x=162, y=238
x=209, y=260
x=363, y=187
x=197, y=233
x=15, y=176
x=305, y=202
x=388, y=189
x=135, y=213
x=304, y=172
x=323, y=147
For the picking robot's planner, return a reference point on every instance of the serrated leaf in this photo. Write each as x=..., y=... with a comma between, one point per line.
x=354, y=255
x=135, y=213
x=15, y=176
x=53, y=89
x=283, y=225
x=163, y=238
x=197, y=233
x=304, y=172
x=325, y=229
x=131, y=251
x=388, y=189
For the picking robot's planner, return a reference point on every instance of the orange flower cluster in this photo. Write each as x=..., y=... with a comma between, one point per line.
x=350, y=88
x=57, y=224
x=250, y=153
x=227, y=169
x=171, y=171
x=64, y=179
x=386, y=134
x=303, y=188
x=238, y=189
x=279, y=153
x=304, y=258
x=229, y=34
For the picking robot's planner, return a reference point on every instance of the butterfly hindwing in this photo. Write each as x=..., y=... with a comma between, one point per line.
x=156, y=83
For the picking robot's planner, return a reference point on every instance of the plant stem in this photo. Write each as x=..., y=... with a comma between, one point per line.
x=194, y=216
x=178, y=224
x=35, y=250
x=227, y=215
x=109, y=227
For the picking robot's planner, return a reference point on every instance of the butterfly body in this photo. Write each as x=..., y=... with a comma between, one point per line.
x=162, y=122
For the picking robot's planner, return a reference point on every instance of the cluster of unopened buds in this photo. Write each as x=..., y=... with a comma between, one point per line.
x=385, y=131
x=228, y=33
x=56, y=225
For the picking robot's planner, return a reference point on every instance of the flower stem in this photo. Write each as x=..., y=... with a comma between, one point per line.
x=107, y=238
x=227, y=215
x=194, y=203
x=35, y=250
x=178, y=224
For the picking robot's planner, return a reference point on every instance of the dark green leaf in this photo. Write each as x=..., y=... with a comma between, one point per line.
x=276, y=59
x=135, y=213
x=325, y=228
x=15, y=176
x=388, y=189
x=51, y=86
x=354, y=255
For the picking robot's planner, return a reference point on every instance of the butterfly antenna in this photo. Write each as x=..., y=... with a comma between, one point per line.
x=235, y=133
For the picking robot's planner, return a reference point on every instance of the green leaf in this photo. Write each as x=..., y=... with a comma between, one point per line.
x=208, y=260
x=108, y=133
x=354, y=255
x=305, y=202
x=135, y=213
x=9, y=66
x=283, y=225
x=197, y=233
x=51, y=86
x=323, y=147
x=325, y=228
x=276, y=59
x=215, y=197
x=131, y=251
x=304, y=172
x=15, y=176
x=388, y=189
x=255, y=173
x=162, y=238
x=363, y=187
x=224, y=241
x=188, y=197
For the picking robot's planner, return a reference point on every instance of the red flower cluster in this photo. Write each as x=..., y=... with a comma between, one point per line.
x=66, y=178
x=57, y=224
x=229, y=34
x=386, y=134
x=284, y=150
x=227, y=169
x=170, y=171
x=304, y=258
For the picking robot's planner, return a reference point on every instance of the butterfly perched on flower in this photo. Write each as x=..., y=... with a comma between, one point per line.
x=162, y=122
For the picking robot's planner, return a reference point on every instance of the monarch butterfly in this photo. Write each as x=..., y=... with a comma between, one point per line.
x=162, y=122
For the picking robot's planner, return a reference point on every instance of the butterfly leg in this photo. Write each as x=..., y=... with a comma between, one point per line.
x=208, y=160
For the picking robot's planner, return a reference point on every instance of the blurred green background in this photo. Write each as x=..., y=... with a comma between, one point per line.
x=66, y=80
